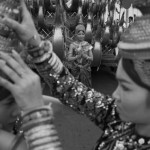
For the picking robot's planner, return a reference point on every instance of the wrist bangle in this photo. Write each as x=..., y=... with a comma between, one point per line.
x=42, y=52
x=39, y=110
x=39, y=130
x=37, y=122
x=41, y=58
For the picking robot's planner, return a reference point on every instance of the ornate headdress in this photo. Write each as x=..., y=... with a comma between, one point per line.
x=80, y=26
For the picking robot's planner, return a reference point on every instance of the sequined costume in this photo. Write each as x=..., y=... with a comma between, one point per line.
x=101, y=110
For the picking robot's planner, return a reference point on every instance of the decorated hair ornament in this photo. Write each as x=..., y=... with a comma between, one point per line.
x=135, y=41
x=8, y=39
x=80, y=26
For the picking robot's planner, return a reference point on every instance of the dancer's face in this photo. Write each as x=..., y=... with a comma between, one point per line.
x=80, y=36
x=8, y=113
x=133, y=101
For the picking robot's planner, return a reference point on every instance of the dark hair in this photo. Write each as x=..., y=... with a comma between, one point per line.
x=4, y=93
x=131, y=18
x=129, y=68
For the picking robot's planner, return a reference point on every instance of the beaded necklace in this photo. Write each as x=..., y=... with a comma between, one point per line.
x=122, y=136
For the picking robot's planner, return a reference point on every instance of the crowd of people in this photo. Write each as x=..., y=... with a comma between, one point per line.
x=123, y=117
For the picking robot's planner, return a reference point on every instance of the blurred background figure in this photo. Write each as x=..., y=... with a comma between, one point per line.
x=130, y=21
x=80, y=55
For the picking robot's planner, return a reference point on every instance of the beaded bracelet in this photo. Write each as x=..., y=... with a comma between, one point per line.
x=44, y=47
x=33, y=123
x=40, y=112
x=42, y=58
x=42, y=52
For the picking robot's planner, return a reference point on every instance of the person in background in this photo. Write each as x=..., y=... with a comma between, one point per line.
x=123, y=117
x=135, y=17
x=130, y=21
x=80, y=55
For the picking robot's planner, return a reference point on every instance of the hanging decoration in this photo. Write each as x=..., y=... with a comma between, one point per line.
x=56, y=21
x=58, y=37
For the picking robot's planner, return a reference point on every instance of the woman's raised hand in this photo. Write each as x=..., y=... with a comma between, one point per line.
x=26, y=29
x=25, y=86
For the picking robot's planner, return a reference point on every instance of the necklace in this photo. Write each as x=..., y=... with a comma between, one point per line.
x=123, y=137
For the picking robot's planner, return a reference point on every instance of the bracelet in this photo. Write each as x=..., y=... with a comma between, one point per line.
x=34, y=123
x=36, y=115
x=39, y=131
x=35, y=52
x=42, y=52
x=41, y=58
x=38, y=112
x=42, y=135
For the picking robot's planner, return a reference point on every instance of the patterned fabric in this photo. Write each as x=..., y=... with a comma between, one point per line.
x=81, y=67
x=101, y=110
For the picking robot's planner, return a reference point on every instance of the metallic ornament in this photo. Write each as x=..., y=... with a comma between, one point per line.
x=141, y=141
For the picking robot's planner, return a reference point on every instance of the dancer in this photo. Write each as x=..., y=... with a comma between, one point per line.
x=124, y=118
x=80, y=55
